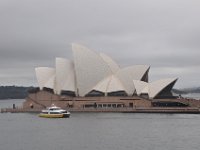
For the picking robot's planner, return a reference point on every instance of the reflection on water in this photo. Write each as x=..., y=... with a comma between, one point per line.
x=99, y=131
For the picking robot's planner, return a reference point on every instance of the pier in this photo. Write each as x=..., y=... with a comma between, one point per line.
x=183, y=110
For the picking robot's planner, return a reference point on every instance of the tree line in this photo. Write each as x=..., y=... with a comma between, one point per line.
x=14, y=92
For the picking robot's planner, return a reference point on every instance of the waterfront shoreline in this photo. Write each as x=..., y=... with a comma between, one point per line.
x=186, y=110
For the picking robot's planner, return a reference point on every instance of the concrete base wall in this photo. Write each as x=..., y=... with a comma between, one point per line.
x=43, y=99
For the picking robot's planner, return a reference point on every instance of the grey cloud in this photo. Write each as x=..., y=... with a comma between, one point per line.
x=163, y=34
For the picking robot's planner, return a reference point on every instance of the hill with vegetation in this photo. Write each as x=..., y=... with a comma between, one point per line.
x=14, y=92
x=187, y=90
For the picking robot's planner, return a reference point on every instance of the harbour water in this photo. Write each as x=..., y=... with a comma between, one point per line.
x=99, y=131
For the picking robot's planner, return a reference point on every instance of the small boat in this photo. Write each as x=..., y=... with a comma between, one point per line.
x=54, y=112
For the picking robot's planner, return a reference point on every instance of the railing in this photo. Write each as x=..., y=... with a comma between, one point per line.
x=138, y=109
x=18, y=110
x=122, y=109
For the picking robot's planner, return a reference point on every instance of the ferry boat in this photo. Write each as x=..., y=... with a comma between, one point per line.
x=54, y=112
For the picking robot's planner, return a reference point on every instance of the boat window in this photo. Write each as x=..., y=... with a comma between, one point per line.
x=54, y=109
x=54, y=113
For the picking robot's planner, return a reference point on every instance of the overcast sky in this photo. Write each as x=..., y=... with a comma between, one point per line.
x=164, y=34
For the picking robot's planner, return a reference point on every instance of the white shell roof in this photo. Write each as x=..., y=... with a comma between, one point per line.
x=93, y=71
x=65, y=75
x=154, y=88
x=128, y=74
x=51, y=83
x=45, y=77
x=139, y=86
x=111, y=63
x=109, y=84
x=145, y=90
x=90, y=68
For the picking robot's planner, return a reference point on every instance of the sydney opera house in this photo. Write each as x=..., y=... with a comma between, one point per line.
x=95, y=80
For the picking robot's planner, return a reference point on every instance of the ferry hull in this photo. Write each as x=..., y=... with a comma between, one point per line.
x=54, y=115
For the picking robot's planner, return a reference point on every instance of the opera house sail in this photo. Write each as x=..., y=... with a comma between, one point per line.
x=93, y=79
